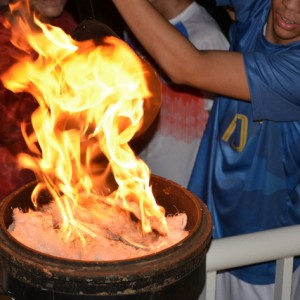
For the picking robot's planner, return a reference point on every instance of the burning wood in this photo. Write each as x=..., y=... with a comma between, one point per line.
x=91, y=104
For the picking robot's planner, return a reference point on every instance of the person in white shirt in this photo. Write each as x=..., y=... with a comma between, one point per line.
x=172, y=145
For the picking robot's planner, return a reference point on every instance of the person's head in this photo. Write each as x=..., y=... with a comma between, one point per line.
x=170, y=8
x=4, y=2
x=284, y=22
x=47, y=9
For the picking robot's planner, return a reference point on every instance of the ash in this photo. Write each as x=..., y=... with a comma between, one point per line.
x=109, y=235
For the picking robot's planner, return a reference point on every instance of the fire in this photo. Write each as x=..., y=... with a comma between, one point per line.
x=91, y=105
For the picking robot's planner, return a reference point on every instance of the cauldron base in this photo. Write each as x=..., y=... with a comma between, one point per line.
x=187, y=288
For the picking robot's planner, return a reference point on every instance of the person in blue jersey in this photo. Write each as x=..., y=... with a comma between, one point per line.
x=248, y=165
x=170, y=146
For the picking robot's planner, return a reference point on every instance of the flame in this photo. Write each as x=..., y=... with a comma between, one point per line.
x=91, y=105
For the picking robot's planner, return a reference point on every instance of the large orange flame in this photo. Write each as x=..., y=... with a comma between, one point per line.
x=91, y=101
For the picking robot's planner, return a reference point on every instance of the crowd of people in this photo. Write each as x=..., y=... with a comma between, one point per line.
x=246, y=167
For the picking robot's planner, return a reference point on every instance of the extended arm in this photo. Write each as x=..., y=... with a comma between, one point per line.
x=221, y=72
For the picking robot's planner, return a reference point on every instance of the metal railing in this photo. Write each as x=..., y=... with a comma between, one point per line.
x=281, y=244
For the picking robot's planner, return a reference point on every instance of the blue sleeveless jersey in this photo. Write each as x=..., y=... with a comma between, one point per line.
x=248, y=166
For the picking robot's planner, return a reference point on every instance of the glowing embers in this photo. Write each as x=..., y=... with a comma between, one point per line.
x=112, y=235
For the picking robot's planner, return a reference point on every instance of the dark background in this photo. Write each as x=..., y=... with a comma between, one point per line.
x=104, y=11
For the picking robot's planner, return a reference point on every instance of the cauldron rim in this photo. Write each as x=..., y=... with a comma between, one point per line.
x=175, y=260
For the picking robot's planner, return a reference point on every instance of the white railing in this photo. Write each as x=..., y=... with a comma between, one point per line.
x=280, y=244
